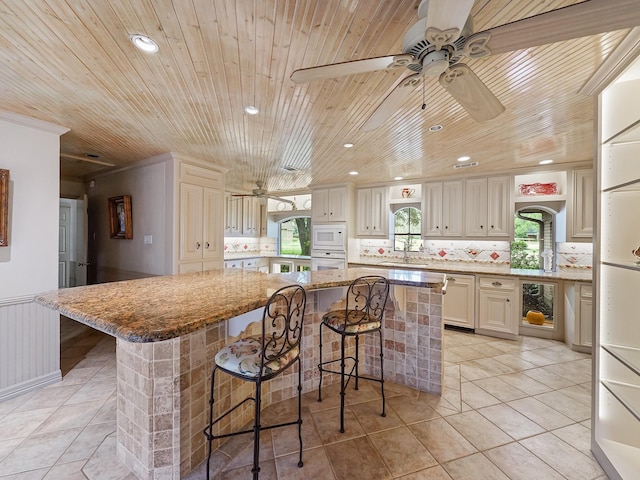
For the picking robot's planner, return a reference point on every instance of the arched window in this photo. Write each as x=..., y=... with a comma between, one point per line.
x=407, y=228
x=294, y=236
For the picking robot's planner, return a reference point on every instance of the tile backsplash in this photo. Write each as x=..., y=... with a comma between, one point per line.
x=265, y=246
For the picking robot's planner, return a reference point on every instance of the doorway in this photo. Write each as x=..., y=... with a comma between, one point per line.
x=72, y=243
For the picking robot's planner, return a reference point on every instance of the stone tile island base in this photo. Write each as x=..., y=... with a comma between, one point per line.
x=163, y=387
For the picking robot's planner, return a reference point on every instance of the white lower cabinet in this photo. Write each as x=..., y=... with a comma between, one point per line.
x=257, y=264
x=579, y=315
x=497, y=306
x=458, y=307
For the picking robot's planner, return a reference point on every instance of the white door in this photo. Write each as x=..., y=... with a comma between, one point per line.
x=72, y=243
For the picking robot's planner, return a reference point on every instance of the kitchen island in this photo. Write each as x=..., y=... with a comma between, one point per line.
x=169, y=328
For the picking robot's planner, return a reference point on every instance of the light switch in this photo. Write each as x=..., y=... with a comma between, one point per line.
x=148, y=239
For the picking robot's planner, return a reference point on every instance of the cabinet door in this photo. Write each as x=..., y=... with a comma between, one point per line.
x=586, y=316
x=500, y=207
x=233, y=215
x=452, y=209
x=211, y=229
x=379, y=211
x=190, y=222
x=320, y=205
x=497, y=311
x=476, y=207
x=364, y=212
x=432, y=216
x=583, y=204
x=458, y=304
x=251, y=216
x=337, y=203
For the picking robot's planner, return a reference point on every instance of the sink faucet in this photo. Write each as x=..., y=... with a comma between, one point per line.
x=406, y=251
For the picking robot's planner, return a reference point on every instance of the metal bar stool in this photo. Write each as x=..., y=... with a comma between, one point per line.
x=260, y=358
x=365, y=302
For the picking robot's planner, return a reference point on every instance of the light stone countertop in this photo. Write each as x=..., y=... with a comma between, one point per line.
x=478, y=268
x=165, y=307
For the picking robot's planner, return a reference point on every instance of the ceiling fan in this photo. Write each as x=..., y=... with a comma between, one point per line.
x=443, y=37
x=264, y=194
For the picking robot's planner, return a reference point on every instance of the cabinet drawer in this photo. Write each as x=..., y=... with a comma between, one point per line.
x=250, y=263
x=494, y=283
x=586, y=291
x=233, y=264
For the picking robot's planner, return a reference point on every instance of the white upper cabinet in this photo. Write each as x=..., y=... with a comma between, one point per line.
x=373, y=212
x=488, y=207
x=582, y=214
x=330, y=204
x=251, y=215
x=232, y=215
x=442, y=216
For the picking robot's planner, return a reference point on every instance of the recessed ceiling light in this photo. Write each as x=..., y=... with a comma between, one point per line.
x=464, y=158
x=144, y=43
x=348, y=145
x=435, y=128
x=353, y=173
x=397, y=178
x=251, y=110
x=545, y=162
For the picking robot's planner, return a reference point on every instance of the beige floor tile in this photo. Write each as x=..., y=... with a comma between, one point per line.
x=578, y=393
x=356, y=459
x=93, y=391
x=525, y=383
x=285, y=439
x=520, y=464
x=107, y=411
x=66, y=471
x=475, y=466
x=470, y=370
x=267, y=472
x=412, y=410
x=7, y=446
x=500, y=389
x=566, y=405
x=511, y=422
x=548, y=378
x=532, y=356
x=442, y=440
x=462, y=353
x=540, y=413
x=401, y=451
x=103, y=465
x=478, y=430
x=86, y=443
x=8, y=406
x=69, y=416
x=452, y=377
x=37, y=474
x=316, y=464
x=562, y=457
x=576, y=435
x=514, y=361
x=476, y=397
x=23, y=424
x=328, y=425
x=245, y=456
x=38, y=451
x=370, y=418
x=48, y=397
x=433, y=473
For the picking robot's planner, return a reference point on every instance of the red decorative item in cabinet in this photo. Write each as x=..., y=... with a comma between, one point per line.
x=538, y=189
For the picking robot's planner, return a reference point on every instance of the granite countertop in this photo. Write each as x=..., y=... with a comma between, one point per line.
x=245, y=256
x=577, y=274
x=165, y=307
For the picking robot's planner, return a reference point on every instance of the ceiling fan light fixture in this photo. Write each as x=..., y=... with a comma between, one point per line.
x=435, y=63
x=348, y=145
x=398, y=178
x=353, y=172
x=545, y=162
x=464, y=158
x=251, y=110
x=144, y=43
x=435, y=128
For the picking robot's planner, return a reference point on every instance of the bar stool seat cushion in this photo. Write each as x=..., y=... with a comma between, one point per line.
x=357, y=322
x=243, y=357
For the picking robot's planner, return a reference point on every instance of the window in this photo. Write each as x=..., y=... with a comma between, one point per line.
x=533, y=233
x=294, y=236
x=407, y=228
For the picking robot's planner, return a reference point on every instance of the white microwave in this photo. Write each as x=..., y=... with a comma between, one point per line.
x=329, y=237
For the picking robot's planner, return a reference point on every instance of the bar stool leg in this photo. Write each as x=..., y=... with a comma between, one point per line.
x=320, y=368
x=256, y=434
x=357, y=356
x=210, y=435
x=382, y=374
x=300, y=410
x=342, y=384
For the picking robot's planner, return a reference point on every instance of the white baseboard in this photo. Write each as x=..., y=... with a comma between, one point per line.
x=30, y=385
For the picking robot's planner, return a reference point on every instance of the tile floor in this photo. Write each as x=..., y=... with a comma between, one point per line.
x=509, y=410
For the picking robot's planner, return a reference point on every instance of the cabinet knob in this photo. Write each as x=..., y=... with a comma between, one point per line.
x=206, y=245
x=446, y=227
x=491, y=227
x=481, y=227
x=496, y=284
x=197, y=245
x=508, y=300
x=451, y=279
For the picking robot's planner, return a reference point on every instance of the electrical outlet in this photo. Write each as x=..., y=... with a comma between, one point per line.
x=148, y=239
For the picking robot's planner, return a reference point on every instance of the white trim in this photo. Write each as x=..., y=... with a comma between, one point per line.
x=5, y=302
x=30, y=385
x=24, y=121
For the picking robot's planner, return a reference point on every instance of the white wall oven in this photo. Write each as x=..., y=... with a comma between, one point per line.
x=329, y=247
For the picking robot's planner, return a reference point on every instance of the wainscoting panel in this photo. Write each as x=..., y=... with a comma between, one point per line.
x=29, y=346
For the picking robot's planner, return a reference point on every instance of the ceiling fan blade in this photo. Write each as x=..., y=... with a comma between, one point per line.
x=280, y=199
x=333, y=70
x=392, y=103
x=445, y=20
x=471, y=93
x=574, y=21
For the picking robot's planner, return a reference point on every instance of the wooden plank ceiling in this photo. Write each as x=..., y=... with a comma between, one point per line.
x=71, y=63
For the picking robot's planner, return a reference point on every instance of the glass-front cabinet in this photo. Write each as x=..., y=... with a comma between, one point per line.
x=538, y=309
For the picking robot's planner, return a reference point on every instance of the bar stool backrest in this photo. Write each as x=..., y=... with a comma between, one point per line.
x=282, y=322
x=366, y=299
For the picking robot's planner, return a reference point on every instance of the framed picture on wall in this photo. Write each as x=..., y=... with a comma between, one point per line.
x=4, y=208
x=120, y=217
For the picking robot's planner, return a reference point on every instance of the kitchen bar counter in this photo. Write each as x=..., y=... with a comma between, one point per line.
x=165, y=307
x=570, y=274
x=169, y=328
